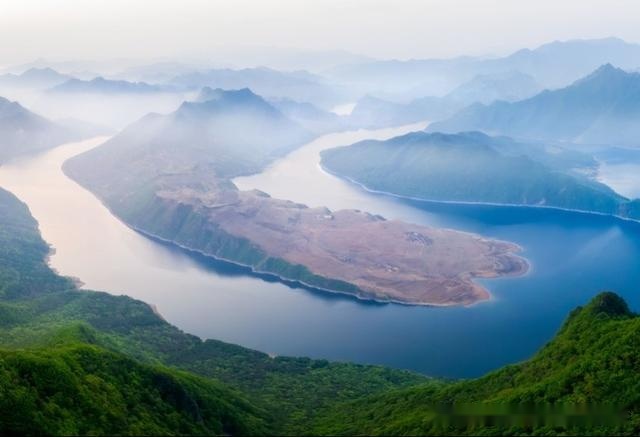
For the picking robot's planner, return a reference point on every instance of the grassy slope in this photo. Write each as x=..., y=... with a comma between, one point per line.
x=594, y=361
x=81, y=389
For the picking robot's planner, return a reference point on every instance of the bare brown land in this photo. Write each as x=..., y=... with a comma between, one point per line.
x=388, y=260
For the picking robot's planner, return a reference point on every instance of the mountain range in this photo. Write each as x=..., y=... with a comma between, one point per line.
x=601, y=108
x=100, y=85
x=37, y=78
x=22, y=131
x=375, y=112
x=298, y=85
x=552, y=65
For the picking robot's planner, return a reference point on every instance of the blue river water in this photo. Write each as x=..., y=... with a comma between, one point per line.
x=573, y=257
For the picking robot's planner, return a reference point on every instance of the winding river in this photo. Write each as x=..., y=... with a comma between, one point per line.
x=573, y=256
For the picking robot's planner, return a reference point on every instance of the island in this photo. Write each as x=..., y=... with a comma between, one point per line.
x=170, y=177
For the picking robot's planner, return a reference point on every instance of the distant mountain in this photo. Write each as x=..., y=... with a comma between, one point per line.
x=224, y=133
x=40, y=78
x=315, y=120
x=374, y=112
x=113, y=103
x=487, y=88
x=154, y=73
x=100, y=85
x=602, y=108
x=310, y=116
x=22, y=131
x=559, y=63
x=298, y=85
x=473, y=167
x=552, y=65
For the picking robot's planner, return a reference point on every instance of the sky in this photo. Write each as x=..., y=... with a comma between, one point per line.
x=146, y=29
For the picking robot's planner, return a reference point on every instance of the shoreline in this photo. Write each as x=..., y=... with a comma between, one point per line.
x=469, y=280
x=77, y=282
x=359, y=297
x=473, y=203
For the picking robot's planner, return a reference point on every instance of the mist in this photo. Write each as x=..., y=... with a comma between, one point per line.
x=282, y=32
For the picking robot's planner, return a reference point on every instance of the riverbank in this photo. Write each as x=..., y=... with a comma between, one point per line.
x=348, y=252
x=460, y=202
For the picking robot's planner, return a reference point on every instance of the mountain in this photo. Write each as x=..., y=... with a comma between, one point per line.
x=154, y=73
x=581, y=383
x=372, y=112
x=226, y=133
x=100, y=85
x=298, y=85
x=112, y=103
x=559, y=63
x=602, y=108
x=473, y=167
x=310, y=116
x=487, y=88
x=39, y=78
x=552, y=65
x=22, y=131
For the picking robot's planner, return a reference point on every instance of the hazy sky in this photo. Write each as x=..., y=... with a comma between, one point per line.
x=102, y=29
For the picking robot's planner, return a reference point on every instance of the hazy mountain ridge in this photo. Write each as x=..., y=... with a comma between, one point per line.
x=297, y=85
x=22, y=131
x=374, y=112
x=227, y=134
x=601, y=108
x=552, y=65
x=101, y=85
x=34, y=78
x=487, y=88
x=311, y=117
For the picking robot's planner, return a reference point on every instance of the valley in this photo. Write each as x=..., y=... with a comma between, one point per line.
x=218, y=299
x=302, y=218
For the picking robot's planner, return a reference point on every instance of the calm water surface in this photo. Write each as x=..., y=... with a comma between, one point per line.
x=573, y=256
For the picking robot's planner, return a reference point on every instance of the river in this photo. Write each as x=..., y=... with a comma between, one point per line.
x=573, y=257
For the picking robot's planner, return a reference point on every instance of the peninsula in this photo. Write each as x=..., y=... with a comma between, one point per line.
x=169, y=177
